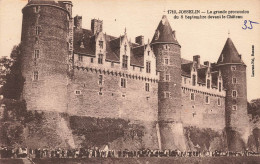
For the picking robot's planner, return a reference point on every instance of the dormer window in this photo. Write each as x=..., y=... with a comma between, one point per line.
x=219, y=87
x=101, y=44
x=125, y=47
x=193, y=80
x=148, y=67
x=125, y=61
x=208, y=83
x=100, y=58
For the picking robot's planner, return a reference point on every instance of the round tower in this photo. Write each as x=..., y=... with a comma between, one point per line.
x=233, y=71
x=168, y=63
x=45, y=53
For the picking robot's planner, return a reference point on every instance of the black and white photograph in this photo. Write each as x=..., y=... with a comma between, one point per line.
x=130, y=81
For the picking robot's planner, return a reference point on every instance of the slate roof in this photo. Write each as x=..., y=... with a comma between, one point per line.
x=186, y=69
x=229, y=54
x=202, y=75
x=164, y=33
x=112, y=47
x=137, y=56
x=214, y=76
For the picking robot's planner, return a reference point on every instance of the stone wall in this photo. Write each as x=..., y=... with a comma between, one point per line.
x=201, y=114
x=45, y=31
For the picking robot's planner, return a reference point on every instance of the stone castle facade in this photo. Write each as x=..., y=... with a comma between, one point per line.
x=89, y=73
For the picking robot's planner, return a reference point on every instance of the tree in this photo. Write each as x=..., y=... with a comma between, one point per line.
x=13, y=86
x=254, y=108
x=5, y=66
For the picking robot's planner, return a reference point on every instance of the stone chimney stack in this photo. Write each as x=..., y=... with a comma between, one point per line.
x=196, y=59
x=96, y=26
x=139, y=40
x=207, y=63
x=78, y=22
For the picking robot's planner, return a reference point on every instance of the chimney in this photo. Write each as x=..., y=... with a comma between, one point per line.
x=96, y=26
x=240, y=56
x=78, y=22
x=139, y=40
x=196, y=58
x=207, y=63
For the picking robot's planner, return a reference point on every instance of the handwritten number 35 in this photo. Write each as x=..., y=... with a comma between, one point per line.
x=250, y=22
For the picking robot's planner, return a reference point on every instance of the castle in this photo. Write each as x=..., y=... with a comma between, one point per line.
x=89, y=73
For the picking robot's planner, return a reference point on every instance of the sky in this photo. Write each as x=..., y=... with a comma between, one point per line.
x=204, y=37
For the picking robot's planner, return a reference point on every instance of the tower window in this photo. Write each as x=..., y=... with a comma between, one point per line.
x=77, y=92
x=233, y=68
x=219, y=101
x=207, y=99
x=80, y=58
x=101, y=44
x=219, y=86
x=125, y=61
x=112, y=64
x=35, y=75
x=148, y=67
x=167, y=77
x=100, y=80
x=234, y=107
x=36, y=54
x=208, y=83
x=234, y=80
x=234, y=93
x=100, y=58
x=147, y=87
x=123, y=82
x=92, y=60
x=167, y=94
x=148, y=53
x=193, y=80
x=166, y=61
x=185, y=80
x=37, y=30
x=192, y=96
x=37, y=9
x=82, y=44
x=100, y=91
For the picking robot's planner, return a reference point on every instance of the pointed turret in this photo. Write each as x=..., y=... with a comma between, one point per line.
x=229, y=54
x=168, y=62
x=164, y=33
x=233, y=71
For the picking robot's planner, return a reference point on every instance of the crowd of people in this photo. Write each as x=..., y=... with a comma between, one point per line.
x=90, y=153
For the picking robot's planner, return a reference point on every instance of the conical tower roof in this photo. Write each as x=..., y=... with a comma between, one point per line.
x=164, y=33
x=229, y=54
